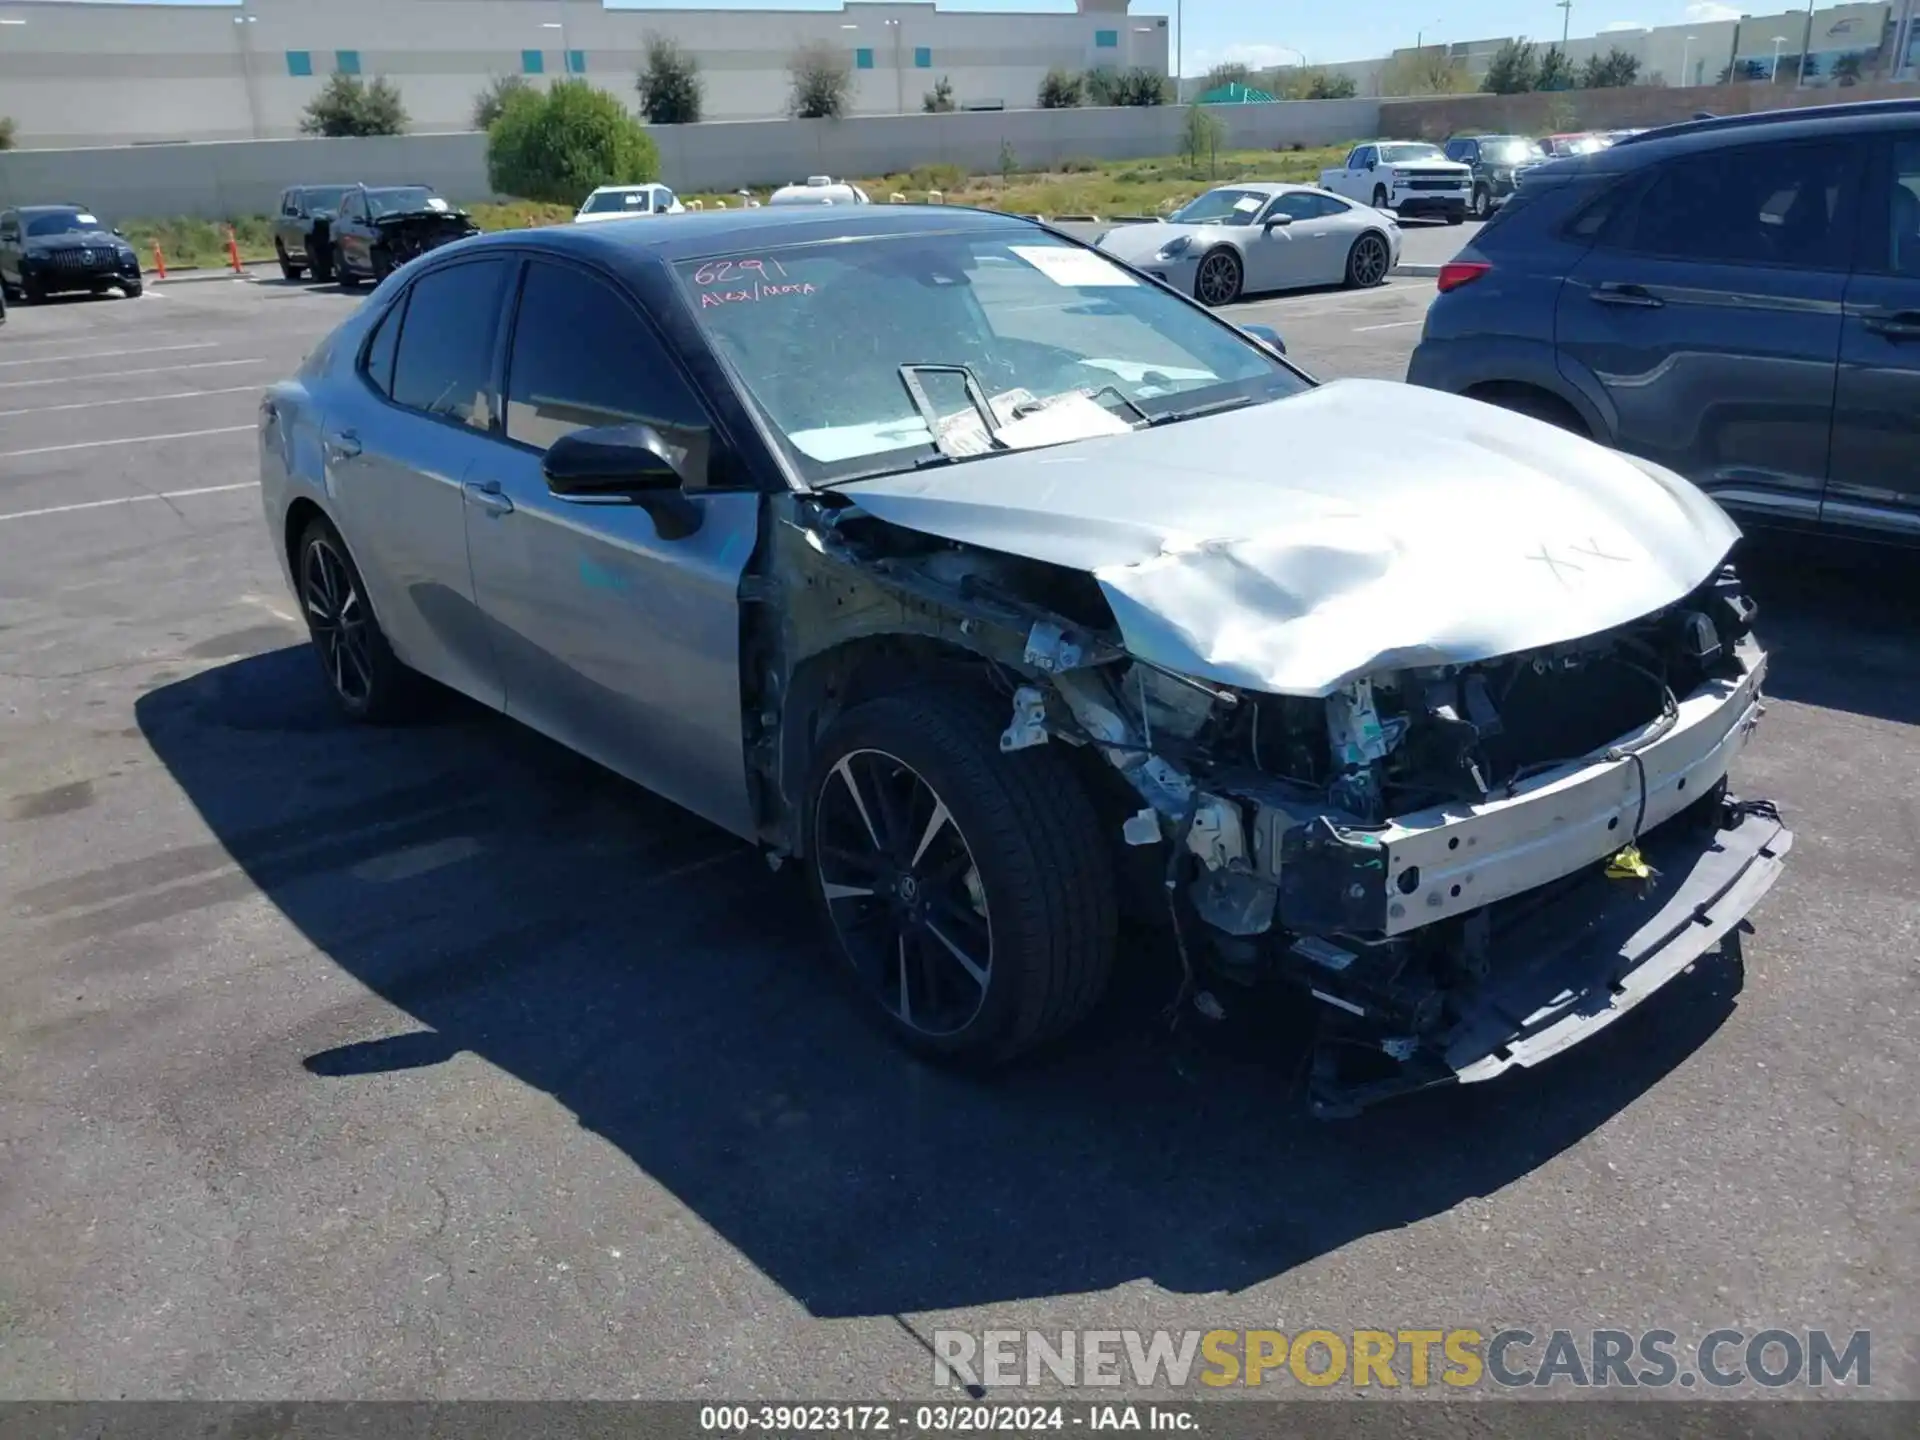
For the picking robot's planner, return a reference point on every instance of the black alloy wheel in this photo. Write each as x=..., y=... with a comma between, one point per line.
x=1367, y=262
x=367, y=680
x=1218, y=280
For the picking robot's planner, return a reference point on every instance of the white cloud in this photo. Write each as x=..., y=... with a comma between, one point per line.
x=1708, y=12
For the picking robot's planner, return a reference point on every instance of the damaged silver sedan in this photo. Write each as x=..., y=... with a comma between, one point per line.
x=1016, y=596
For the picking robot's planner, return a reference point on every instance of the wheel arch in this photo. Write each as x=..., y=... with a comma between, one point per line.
x=301, y=513
x=1536, y=400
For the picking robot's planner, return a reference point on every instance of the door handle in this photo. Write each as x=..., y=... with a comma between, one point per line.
x=343, y=444
x=486, y=494
x=1894, y=324
x=1609, y=292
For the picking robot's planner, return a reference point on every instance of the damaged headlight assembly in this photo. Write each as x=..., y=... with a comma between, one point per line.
x=1463, y=868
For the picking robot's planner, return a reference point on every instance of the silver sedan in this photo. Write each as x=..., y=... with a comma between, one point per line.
x=1261, y=236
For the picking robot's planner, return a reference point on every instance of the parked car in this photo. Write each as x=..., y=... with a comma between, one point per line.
x=819, y=190
x=380, y=229
x=1559, y=147
x=1258, y=237
x=303, y=229
x=617, y=202
x=1051, y=593
x=1737, y=300
x=1407, y=177
x=1497, y=162
x=56, y=249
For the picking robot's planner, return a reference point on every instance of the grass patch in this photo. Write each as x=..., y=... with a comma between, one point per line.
x=1078, y=186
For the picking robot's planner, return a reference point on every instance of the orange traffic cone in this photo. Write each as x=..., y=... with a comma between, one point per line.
x=159, y=260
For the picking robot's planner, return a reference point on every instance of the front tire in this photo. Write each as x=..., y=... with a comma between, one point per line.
x=1368, y=262
x=322, y=260
x=1457, y=215
x=1219, y=278
x=970, y=891
x=367, y=680
x=1481, y=205
x=1380, y=198
x=288, y=269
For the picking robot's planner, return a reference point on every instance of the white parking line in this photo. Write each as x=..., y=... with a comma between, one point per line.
x=127, y=440
x=131, y=400
x=1390, y=325
x=128, y=500
x=123, y=374
x=109, y=354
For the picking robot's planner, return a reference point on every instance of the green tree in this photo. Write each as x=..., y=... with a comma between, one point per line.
x=1062, y=89
x=1102, y=86
x=6, y=132
x=1009, y=162
x=1513, y=70
x=1429, y=71
x=492, y=101
x=1200, y=136
x=1228, y=72
x=1846, y=70
x=1555, y=72
x=669, y=84
x=1141, y=86
x=939, y=100
x=559, y=146
x=1609, y=71
x=1330, y=85
x=348, y=105
x=822, y=81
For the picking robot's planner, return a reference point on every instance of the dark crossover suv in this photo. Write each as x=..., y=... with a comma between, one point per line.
x=1737, y=299
x=1497, y=162
x=303, y=229
x=50, y=249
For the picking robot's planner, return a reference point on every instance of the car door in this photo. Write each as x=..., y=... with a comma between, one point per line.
x=1361, y=166
x=398, y=456
x=1873, y=478
x=10, y=248
x=1705, y=321
x=614, y=641
x=1297, y=253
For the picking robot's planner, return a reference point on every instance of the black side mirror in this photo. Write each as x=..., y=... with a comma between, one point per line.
x=1373, y=164
x=1273, y=220
x=1267, y=336
x=623, y=462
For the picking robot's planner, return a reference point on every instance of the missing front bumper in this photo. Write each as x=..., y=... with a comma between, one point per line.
x=1565, y=970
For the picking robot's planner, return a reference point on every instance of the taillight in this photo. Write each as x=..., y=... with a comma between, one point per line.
x=1456, y=273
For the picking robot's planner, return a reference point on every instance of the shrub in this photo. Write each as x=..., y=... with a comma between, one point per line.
x=1514, y=69
x=669, y=85
x=1228, y=72
x=1061, y=89
x=1606, y=72
x=1331, y=85
x=1555, y=72
x=1200, y=137
x=938, y=177
x=348, y=105
x=490, y=102
x=1140, y=86
x=6, y=132
x=939, y=100
x=822, y=81
x=1079, y=165
x=560, y=146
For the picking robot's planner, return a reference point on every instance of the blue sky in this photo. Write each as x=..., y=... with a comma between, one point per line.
x=1263, y=33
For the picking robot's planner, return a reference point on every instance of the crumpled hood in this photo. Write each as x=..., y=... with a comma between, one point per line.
x=1360, y=526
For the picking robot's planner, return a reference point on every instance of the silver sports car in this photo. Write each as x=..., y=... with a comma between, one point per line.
x=1007, y=593
x=1258, y=236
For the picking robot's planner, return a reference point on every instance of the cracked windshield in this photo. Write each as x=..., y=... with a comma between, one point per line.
x=875, y=356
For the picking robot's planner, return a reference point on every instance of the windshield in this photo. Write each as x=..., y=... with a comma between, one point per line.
x=67, y=222
x=860, y=352
x=1510, y=150
x=1401, y=154
x=403, y=200
x=619, y=200
x=325, y=197
x=1221, y=207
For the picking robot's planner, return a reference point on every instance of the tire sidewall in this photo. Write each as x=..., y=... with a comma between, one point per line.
x=1353, y=262
x=1239, y=276
x=384, y=699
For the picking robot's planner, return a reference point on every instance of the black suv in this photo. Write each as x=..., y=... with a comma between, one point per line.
x=303, y=229
x=49, y=249
x=1497, y=161
x=1737, y=299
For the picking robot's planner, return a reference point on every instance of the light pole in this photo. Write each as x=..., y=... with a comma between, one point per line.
x=1565, y=7
x=1686, y=61
x=1179, y=50
x=1806, y=44
x=1774, y=76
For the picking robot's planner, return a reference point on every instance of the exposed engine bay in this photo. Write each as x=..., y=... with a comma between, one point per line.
x=407, y=237
x=1411, y=852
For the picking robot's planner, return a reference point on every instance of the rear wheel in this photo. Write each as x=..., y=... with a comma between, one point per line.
x=322, y=254
x=288, y=266
x=1219, y=278
x=1481, y=203
x=366, y=678
x=382, y=263
x=1367, y=261
x=970, y=891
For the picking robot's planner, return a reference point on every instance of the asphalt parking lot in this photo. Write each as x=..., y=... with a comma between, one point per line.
x=433, y=1062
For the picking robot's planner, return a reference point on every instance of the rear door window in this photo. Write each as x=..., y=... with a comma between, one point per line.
x=444, y=364
x=1784, y=204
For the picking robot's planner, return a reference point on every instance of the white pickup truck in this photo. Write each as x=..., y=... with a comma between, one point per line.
x=1408, y=177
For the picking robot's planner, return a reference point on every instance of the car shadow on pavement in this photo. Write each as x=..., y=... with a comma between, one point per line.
x=654, y=977
x=1841, y=622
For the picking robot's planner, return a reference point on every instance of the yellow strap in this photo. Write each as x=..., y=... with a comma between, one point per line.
x=1628, y=865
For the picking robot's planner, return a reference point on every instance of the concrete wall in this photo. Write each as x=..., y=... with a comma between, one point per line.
x=1436, y=117
x=245, y=177
x=99, y=74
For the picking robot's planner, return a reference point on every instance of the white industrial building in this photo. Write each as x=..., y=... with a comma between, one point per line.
x=105, y=74
x=1865, y=41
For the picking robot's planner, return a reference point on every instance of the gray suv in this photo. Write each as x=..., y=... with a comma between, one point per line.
x=1737, y=299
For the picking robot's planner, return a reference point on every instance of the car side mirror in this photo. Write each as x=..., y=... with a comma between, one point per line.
x=1271, y=221
x=1267, y=336
x=623, y=462
x=1373, y=164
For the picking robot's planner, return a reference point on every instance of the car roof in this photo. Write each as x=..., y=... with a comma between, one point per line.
x=61, y=208
x=1810, y=122
x=710, y=232
x=623, y=189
